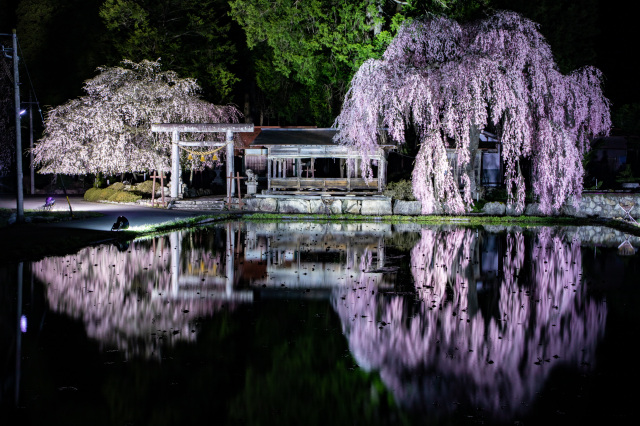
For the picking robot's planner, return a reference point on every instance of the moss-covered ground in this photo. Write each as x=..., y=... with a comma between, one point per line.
x=29, y=241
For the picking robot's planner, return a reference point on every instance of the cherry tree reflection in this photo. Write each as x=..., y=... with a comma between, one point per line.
x=441, y=346
x=144, y=297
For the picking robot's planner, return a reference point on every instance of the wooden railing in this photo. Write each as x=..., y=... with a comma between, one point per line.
x=302, y=184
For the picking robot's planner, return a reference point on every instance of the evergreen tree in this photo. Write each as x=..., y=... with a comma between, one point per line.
x=191, y=37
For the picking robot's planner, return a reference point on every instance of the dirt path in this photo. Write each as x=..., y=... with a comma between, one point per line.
x=29, y=241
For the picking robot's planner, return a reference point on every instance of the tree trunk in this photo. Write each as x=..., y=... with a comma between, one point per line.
x=377, y=27
x=472, y=169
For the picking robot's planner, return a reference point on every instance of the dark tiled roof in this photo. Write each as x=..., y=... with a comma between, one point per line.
x=295, y=137
x=246, y=138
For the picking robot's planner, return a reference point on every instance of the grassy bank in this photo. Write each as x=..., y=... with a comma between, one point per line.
x=37, y=216
x=465, y=220
x=30, y=241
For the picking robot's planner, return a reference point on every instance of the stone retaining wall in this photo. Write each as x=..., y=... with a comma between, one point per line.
x=605, y=205
x=378, y=206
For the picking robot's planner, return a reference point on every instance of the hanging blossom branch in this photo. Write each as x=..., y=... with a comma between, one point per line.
x=445, y=79
x=108, y=130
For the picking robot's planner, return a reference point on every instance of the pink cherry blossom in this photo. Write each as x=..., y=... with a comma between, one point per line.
x=445, y=79
x=108, y=129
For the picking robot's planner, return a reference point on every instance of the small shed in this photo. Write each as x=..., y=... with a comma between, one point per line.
x=309, y=161
x=487, y=164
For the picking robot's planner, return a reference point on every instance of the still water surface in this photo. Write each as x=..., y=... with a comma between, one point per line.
x=300, y=323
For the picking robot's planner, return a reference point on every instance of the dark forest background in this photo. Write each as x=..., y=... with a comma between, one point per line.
x=285, y=62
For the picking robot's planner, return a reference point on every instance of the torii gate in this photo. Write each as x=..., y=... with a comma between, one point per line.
x=176, y=128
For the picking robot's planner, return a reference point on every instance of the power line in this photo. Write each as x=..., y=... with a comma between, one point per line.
x=5, y=66
x=6, y=69
x=32, y=89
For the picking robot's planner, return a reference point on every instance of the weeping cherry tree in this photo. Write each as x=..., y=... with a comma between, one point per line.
x=448, y=81
x=108, y=130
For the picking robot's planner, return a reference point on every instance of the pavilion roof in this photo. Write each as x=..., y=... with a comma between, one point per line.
x=295, y=137
x=298, y=137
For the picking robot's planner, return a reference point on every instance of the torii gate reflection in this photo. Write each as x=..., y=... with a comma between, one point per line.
x=187, y=285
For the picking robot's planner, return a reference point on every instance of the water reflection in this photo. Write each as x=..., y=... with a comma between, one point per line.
x=319, y=256
x=447, y=346
x=154, y=290
x=152, y=293
x=481, y=320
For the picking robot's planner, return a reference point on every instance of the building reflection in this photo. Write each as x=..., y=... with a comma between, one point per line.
x=493, y=316
x=318, y=256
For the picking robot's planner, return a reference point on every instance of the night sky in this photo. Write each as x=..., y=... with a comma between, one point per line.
x=618, y=51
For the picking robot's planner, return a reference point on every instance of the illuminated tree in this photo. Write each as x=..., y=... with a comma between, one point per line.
x=447, y=81
x=305, y=53
x=108, y=129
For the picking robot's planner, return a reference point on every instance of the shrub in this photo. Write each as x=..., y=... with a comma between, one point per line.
x=97, y=194
x=146, y=186
x=118, y=186
x=626, y=175
x=400, y=190
x=496, y=194
x=124, y=197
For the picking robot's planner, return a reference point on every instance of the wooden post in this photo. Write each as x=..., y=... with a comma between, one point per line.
x=155, y=176
x=239, y=193
x=162, y=189
x=153, y=189
x=230, y=180
x=269, y=169
x=382, y=172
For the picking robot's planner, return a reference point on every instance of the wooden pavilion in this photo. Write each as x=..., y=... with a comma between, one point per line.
x=307, y=160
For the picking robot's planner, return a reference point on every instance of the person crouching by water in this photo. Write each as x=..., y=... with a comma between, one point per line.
x=121, y=223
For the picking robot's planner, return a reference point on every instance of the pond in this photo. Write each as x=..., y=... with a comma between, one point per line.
x=327, y=323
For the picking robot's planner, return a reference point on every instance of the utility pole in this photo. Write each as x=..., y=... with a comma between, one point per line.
x=16, y=83
x=16, y=89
